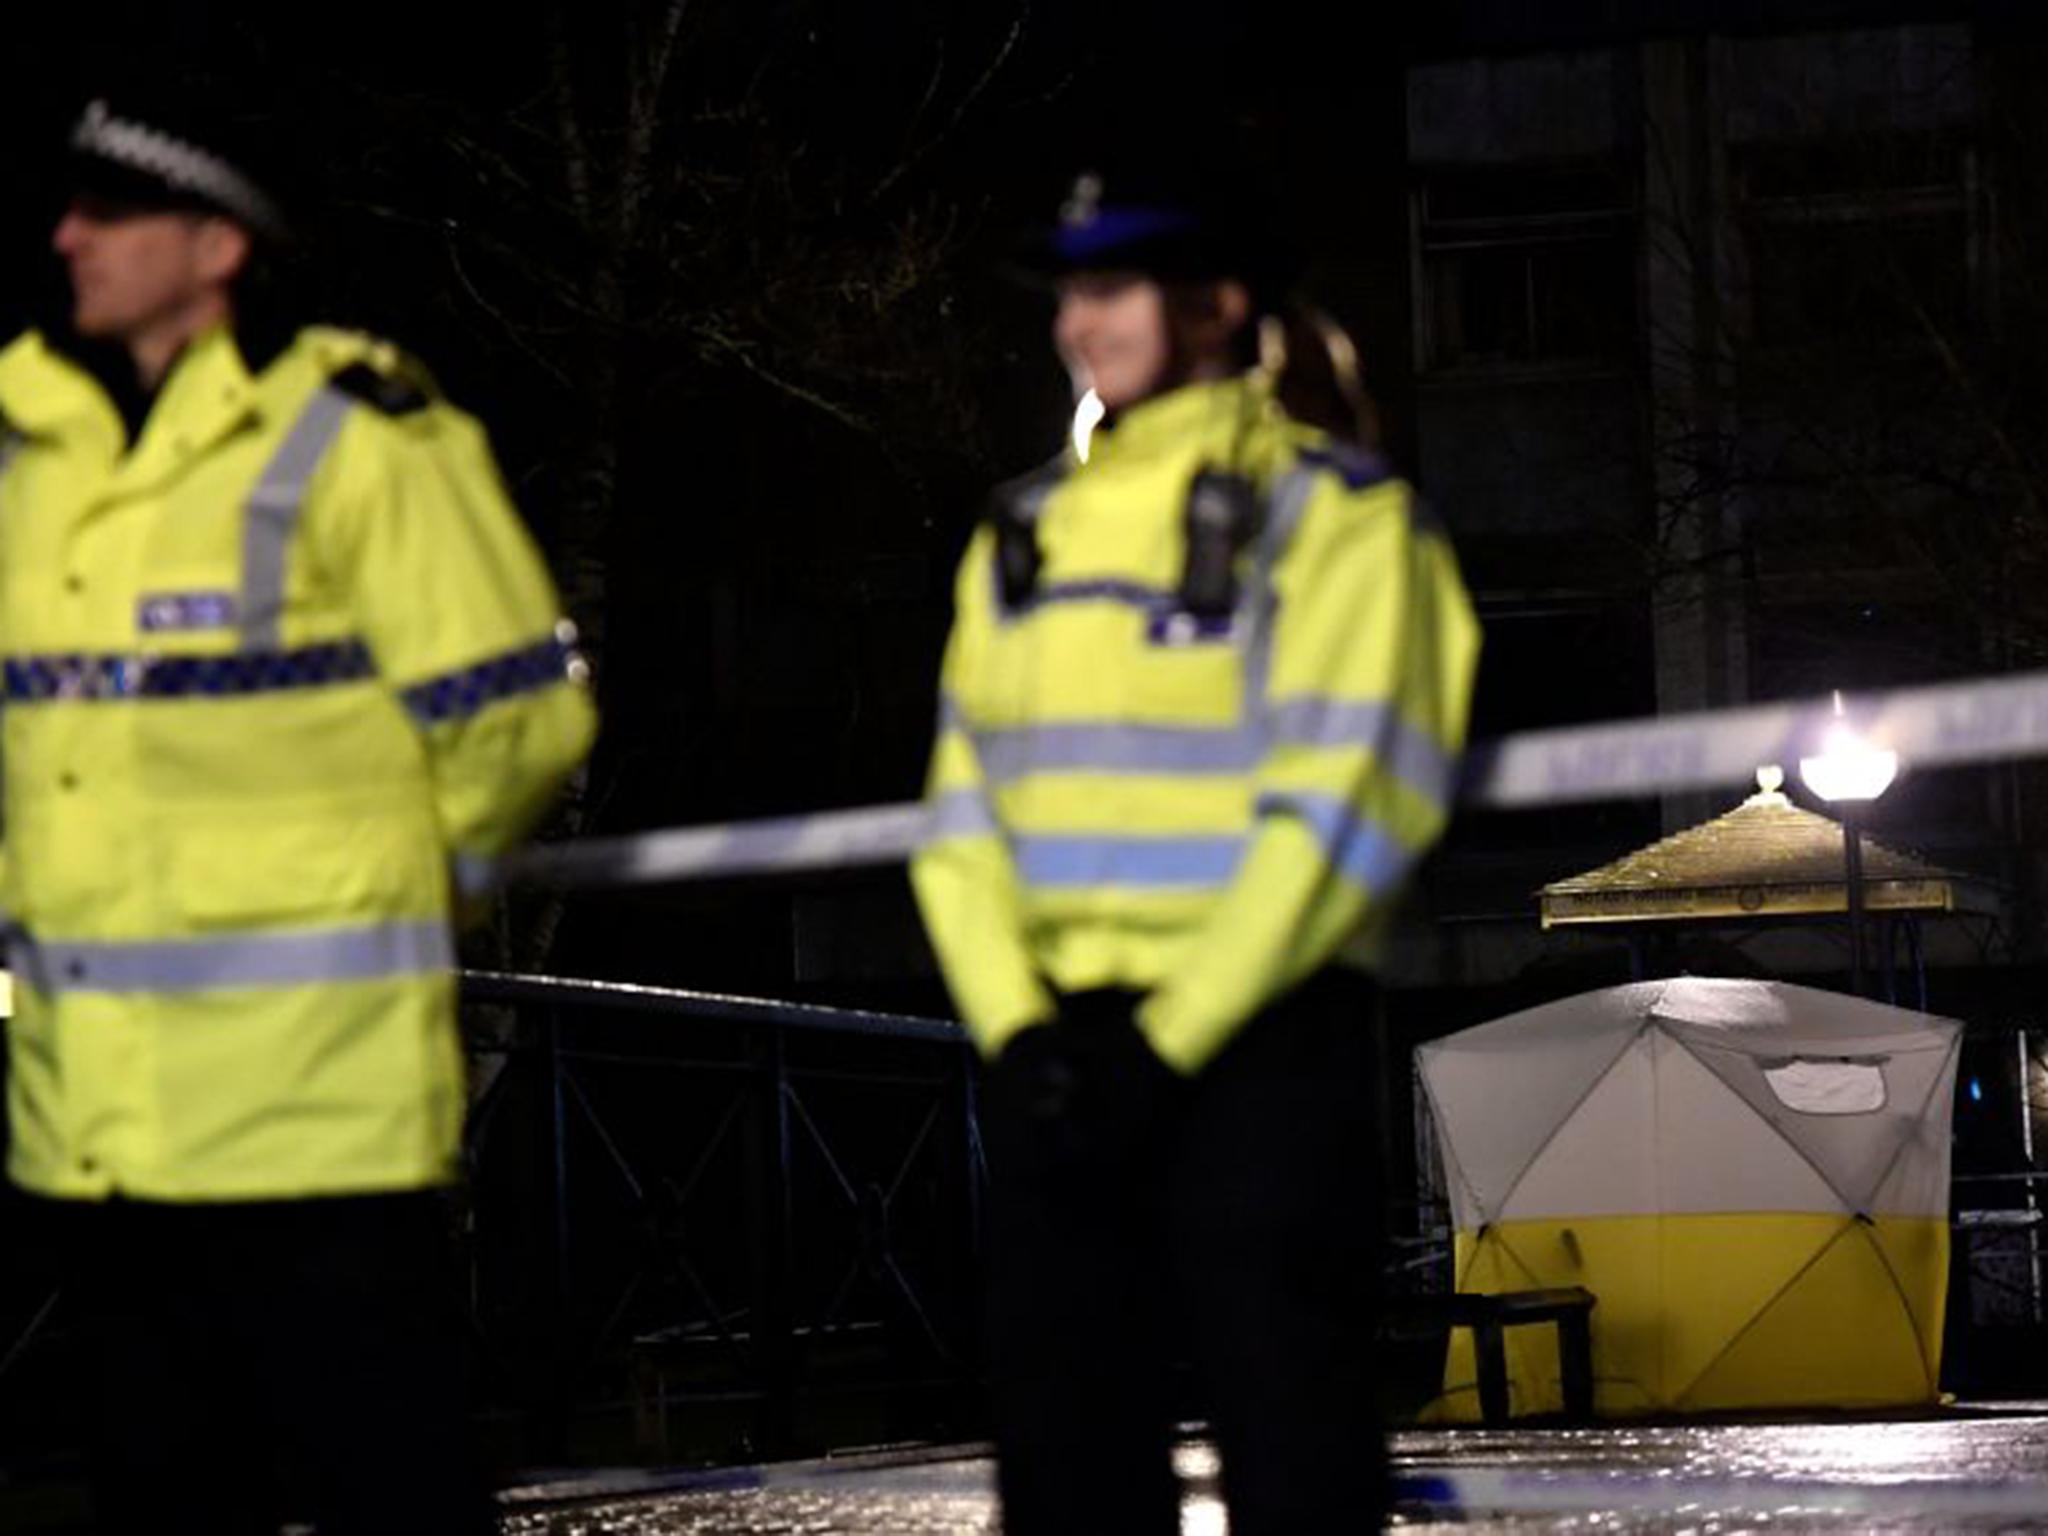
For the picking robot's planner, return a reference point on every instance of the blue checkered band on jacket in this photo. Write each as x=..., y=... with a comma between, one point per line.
x=456, y=694
x=46, y=679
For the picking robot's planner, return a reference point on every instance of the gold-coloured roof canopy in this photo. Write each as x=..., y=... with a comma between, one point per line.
x=1767, y=858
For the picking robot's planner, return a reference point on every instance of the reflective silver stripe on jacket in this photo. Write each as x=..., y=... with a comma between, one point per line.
x=1116, y=747
x=293, y=958
x=1078, y=860
x=1356, y=846
x=1409, y=755
x=1286, y=505
x=273, y=514
x=1010, y=753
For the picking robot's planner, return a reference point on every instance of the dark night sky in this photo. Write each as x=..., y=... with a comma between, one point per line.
x=772, y=575
x=775, y=583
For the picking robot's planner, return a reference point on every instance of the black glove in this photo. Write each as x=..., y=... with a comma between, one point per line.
x=1036, y=1072
x=1093, y=1069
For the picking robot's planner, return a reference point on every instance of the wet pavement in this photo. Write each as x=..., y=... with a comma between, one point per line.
x=1979, y=1469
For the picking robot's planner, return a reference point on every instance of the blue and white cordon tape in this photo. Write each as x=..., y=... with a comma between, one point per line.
x=1983, y=720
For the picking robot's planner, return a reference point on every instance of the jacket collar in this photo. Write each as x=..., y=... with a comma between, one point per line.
x=207, y=394
x=44, y=393
x=1200, y=416
x=42, y=387
x=209, y=389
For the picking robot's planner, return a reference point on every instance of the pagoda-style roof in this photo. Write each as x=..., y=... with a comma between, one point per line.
x=1767, y=858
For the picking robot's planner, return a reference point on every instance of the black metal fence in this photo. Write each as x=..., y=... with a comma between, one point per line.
x=701, y=1225
x=693, y=1227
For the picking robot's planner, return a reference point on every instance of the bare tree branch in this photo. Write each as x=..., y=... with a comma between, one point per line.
x=647, y=82
x=966, y=104
x=576, y=167
x=513, y=331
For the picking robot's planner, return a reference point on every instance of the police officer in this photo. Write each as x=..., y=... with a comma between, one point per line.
x=279, y=662
x=1207, y=680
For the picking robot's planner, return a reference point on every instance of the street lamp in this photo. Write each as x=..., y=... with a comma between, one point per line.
x=1848, y=772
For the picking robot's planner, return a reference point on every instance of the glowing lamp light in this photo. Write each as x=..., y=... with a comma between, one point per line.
x=1847, y=767
x=1088, y=413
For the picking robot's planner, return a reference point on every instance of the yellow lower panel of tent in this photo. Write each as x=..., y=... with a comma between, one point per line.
x=1714, y=1312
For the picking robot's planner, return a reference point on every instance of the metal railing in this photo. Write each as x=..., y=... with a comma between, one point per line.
x=693, y=1226
x=744, y=1212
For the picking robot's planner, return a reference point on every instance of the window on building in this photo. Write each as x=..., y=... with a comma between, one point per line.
x=1523, y=267
x=1858, y=240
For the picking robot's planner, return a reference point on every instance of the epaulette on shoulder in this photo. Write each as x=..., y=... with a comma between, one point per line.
x=1359, y=468
x=1022, y=496
x=393, y=394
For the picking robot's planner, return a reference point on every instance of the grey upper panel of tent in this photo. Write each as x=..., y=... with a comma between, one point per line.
x=1658, y=1098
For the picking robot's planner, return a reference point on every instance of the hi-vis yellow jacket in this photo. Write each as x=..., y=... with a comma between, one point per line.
x=268, y=674
x=1123, y=797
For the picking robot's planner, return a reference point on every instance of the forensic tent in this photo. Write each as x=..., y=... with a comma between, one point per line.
x=1751, y=1178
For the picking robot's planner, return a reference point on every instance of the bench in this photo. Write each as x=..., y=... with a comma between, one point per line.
x=1569, y=1308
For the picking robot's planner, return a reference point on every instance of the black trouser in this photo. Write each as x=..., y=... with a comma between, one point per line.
x=1140, y=1219
x=258, y=1363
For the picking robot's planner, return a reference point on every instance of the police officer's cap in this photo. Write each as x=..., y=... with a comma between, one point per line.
x=143, y=149
x=1172, y=227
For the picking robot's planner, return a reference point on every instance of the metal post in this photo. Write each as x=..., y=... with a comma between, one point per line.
x=555, y=1416
x=775, y=1322
x=1384, y=1067
x=28, y=1334
x=1489, y=1344
x=1852, y=858
x=975, y=1159
x=2033, y=1200
x=974, y=1192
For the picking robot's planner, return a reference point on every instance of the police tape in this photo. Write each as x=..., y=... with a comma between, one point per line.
x=883, y=834
x=1941, y=725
